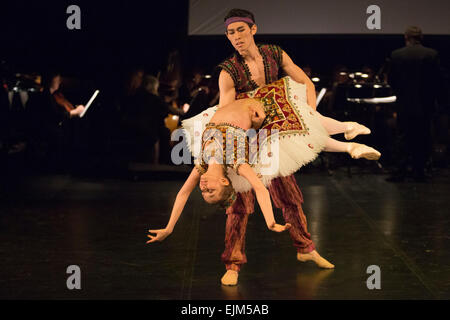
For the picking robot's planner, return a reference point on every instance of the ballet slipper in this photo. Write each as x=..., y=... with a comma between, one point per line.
x=316, y=258
x=230, y=278
x=354, y=129
x=357, y=151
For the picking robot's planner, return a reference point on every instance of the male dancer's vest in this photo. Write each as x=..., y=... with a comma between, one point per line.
x=240, y=73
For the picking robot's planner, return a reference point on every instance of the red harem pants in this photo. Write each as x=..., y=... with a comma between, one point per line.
x=286, y=195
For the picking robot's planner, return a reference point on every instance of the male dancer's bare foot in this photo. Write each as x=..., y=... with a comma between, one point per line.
x=314, y=256
x=357, y=150
x=354, y=129
x=230, y=278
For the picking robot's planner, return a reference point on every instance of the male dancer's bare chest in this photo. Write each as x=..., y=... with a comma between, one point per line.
x=256, y=68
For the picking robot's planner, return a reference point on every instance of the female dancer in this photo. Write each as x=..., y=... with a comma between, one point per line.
x=296, y=134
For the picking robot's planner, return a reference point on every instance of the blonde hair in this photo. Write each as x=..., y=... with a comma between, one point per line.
x=228, y=194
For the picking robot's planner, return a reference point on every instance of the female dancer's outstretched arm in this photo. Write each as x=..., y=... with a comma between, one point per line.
x=180, y=201
x=263, y=197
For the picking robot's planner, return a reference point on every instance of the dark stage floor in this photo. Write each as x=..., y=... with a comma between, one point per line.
x=50, y=222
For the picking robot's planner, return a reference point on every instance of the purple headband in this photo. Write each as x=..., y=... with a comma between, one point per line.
x=237, y=19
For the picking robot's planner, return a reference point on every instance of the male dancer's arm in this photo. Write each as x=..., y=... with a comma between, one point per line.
x=298, y=75
x=180, y=201
x=226, y=89
x=263, y=197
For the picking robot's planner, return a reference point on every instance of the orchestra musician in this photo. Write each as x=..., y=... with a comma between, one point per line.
x=48, y=111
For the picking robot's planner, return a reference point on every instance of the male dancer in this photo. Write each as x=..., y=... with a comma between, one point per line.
x=250, y=67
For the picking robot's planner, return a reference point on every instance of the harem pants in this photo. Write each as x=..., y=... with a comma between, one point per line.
x=286, y=195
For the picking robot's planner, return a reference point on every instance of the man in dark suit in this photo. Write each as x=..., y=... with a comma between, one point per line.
x=415, y=78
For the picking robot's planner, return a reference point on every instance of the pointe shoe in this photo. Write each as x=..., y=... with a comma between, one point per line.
x=230, y=278
x=354, y=129
x=315, y=257
x=357, y=151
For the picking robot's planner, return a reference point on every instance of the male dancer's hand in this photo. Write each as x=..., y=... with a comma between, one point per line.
x=279, y=228
x=161, y=234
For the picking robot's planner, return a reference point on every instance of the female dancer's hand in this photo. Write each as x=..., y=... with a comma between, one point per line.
x=161, y=234
x=279, y=228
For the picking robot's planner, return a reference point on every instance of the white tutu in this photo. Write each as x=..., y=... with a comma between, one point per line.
x=300, y=138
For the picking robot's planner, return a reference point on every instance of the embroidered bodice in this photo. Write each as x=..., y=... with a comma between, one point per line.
x=240, y=73
x=227, y=143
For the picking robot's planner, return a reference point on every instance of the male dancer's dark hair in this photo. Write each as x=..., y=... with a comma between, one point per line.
x=240, y=13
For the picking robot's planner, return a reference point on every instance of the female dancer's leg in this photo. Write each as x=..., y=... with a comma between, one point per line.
x=350, y=129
